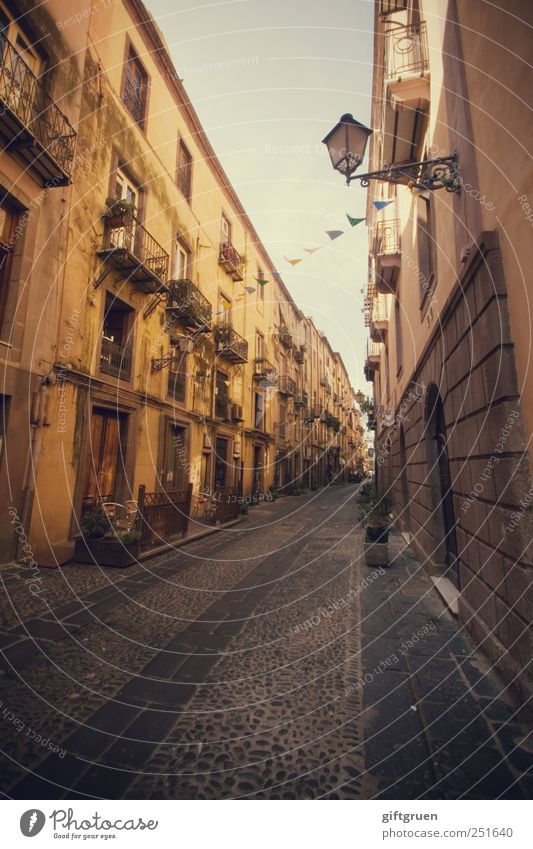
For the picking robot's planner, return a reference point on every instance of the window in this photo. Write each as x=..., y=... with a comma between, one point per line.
x=183, y=258
x=260, y=287
x=425, y=245
x=116, y=351
x=135, y=87
x=221, y=395
x=225, y=230
x=259, y=411
x=124, y=189
x=224, y=310
x=7, y=225
x=259, y=345
x=177, y=379
x=398, y=332
x=12, y=31
x=184, y=177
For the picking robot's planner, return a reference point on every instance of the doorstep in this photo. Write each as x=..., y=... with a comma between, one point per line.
x=448, y=592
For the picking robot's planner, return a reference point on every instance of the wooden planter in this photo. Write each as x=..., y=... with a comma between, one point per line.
x=106, y=552
x=376, y=553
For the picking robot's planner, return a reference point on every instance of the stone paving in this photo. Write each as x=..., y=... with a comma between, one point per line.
x=265, y=661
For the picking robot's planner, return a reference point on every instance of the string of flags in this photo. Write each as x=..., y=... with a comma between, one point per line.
x=333, y=234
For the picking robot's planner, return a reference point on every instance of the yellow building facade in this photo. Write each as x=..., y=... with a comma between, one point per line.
x=166, y=351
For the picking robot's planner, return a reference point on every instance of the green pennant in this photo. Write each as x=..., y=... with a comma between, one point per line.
x=354, y=221
x=260, y=281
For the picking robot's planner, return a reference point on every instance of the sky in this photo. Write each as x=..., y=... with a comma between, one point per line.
x=269, y=79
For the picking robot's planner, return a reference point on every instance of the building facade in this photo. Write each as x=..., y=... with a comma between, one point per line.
x=147, y=340
x=448, y=349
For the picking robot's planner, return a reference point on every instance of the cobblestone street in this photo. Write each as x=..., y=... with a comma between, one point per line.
x=266, y=661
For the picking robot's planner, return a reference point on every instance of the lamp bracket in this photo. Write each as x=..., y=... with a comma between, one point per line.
x=428, y=174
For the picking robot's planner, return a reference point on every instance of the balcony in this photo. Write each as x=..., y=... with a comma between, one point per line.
x=379, y=321
x=186, y=304
x=311, y=414
x=299, y=356
x=264, y=372
x=115, y=359
x=373, y=359
x=130, y=248
x=33, y=126
x=286, y=385
x=406, y=70
x=230, y=345
x=301, y=399
x=388, y=255
x=231, y=261
x=285, y=337
x=389, y=7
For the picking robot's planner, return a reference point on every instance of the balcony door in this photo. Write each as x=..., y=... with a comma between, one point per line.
x=124, y=236
x=21, y=66
x=105, y=456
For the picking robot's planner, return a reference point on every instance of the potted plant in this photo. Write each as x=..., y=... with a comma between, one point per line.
x=118, y=212
x=376, y=517
x=100, y=542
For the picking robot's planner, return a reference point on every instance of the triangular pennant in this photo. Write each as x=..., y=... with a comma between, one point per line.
x=292, y=261
x=354, y=221
x=381, y=204
x=311, y=250
x=334, y=234
x=250, y=289
x=276, y=275
x=261, y=282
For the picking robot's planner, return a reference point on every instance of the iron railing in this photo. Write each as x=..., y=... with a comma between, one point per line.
x=387, y=238
x=231, y=260
x=301, y=399
x=389, y=7
x=264, y=371
x=406, y=51
x=230, y=344
x=24, y=99
x=163, y=515
x=286, y=385
x=134, y=249
x=373, y=349
x=115, y=359
x=186, y=303
x=285, y=337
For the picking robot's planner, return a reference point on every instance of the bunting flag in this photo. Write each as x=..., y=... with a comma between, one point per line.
x=381, y=204
x=250, y=289
x=276, y=275
x=354, y=221
x=334, y=234
x=261, y=281
x=311, y=250
x=292, y=261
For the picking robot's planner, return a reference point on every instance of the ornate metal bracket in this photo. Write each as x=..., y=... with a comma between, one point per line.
x=429, y=174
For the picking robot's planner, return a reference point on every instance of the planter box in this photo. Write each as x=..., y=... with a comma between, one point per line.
x=106, y=552
x=376, y=553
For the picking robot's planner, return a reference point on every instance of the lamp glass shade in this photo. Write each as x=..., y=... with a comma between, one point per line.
x=346, y=144
x=359, y=397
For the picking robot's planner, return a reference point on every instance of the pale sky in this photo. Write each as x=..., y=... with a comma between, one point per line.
x=269, y=78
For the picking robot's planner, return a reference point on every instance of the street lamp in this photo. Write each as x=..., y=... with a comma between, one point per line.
x=346, y=144
x=360, y=397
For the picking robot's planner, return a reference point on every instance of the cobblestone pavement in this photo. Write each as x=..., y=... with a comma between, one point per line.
x=264, y=661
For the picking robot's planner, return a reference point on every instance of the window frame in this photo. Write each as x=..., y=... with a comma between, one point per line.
x=186, y=190
x=131, y=55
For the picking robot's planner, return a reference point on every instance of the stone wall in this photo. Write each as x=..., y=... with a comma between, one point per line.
x=471, y=360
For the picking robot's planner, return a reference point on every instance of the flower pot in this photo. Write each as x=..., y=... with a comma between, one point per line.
x=106, y=552
x=377, y=551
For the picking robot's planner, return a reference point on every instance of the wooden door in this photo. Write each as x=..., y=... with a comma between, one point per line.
x=103, y=459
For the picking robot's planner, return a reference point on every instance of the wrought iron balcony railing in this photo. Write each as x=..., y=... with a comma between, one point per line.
x=115, y=359
x=301, y=399
x=186, y=304
x=230, y=345
x=31, y=122
x=285, y=337
x=406, y=51
x=387, y=238
x=299, y=356
x=286, y=385
x=389, y=7
x=264, y=372
x=135, y=252
x=231, y=261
